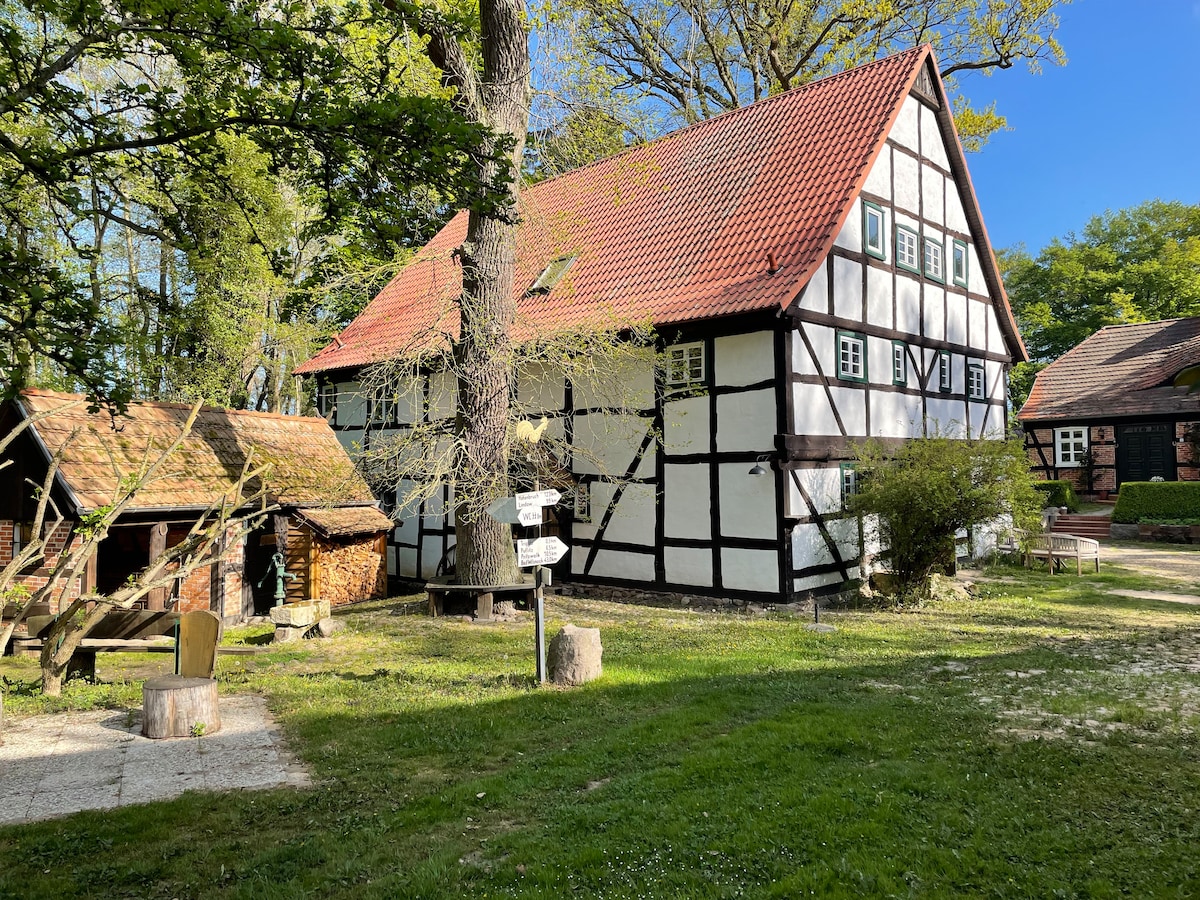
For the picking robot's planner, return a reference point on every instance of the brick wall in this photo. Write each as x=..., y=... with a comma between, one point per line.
x=59, y=540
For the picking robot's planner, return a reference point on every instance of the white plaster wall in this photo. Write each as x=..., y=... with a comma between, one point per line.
x=822, y=340
x=410, y=401
x=977, y=313
x=686, y=504
x=934, y=317
x=908, y=188
x=351, y=405
x=893, y=415
x=607, y=444
x=749, y=570
x=994, y=373
x=809, y=547
x=431, y=555
x=633, y=517
x=879, y=360
x=851, y=405
x=946, y=417
x=933, y=194
x=879, y=297
x=351, y=441
x=435, y=512
x=746, y=421
x=813, y=412
x=816, y=292
x=812, y=582
x=688, y=565
x=995, y=341
x=747, y=503
x=743, y=359
x=932, y=145
x=824, y=488
x=442, y=391
x=540, y=389
x=956, y=216
x=850, y=237
x=630, y=385
x=956, y=318
x=908, y=304
x=845, y=534
x=904, y=132
x=615, y=564
x=686, y=425
x=847, y=288
x=871, y=539
x=406, y=562
x=879, y=179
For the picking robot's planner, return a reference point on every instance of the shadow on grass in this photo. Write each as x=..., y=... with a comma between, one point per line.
x=809, y=770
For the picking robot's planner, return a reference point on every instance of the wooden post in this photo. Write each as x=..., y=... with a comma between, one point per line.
x=539, y=625
x=157, y=598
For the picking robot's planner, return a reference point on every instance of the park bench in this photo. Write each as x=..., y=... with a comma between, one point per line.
x=1057, y=549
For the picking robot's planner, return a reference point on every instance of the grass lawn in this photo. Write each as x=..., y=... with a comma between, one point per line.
x=1039, y=740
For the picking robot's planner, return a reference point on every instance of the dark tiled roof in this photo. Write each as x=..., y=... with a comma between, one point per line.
x=346, y=520
x=1120, y=371
x=676, y=230
x=308, y=465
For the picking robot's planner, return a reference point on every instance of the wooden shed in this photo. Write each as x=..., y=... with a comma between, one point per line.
x=327, y=526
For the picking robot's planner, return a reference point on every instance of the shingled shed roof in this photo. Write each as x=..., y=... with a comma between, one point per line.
x=680, y=229
x=346, y=521
x=308, y=465
x=1120, y=371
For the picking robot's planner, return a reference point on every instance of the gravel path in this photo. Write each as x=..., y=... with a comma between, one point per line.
x=1174, y=562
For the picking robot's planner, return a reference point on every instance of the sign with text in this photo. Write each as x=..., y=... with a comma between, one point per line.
x=529, y=499
x=505, y=510
x=545, y=551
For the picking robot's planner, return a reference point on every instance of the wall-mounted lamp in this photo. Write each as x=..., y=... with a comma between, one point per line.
x=758, y=469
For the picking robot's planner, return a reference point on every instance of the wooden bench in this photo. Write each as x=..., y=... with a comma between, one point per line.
x=120, y=631
x=1057, y=549
x=485, y=595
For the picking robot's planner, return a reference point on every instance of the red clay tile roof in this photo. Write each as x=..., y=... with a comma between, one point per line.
x=679, y=229
x=1120, y=371
x=308, y=465
x=347, y=520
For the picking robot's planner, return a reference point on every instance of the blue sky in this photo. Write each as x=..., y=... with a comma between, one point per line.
x=1119, y=124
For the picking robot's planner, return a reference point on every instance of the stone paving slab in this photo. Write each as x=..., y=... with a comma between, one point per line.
x=60, y=764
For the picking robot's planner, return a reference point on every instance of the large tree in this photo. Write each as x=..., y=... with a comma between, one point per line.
x=1134, y=265
x=699, y=58
x=106, y=104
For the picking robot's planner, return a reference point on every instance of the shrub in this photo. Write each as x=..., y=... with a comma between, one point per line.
x=931, y=488
x=1059, y=493
x=1153, y=501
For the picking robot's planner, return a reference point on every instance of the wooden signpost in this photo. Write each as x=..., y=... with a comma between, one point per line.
x=526, y=509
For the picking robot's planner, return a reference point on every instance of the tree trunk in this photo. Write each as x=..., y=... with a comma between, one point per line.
x=482, y=353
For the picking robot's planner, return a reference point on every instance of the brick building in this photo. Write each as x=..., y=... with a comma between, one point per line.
x=327, y=525
x=1108, y=412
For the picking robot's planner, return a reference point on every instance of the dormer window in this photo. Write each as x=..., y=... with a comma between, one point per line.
x=552, y=275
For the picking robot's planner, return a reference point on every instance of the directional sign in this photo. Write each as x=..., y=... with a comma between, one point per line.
x=531, y=499
x=545, y=551
x=505, y=510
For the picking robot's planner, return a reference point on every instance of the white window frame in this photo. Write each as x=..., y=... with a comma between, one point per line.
x=685, y=366
x=329, y=399
x=945, y=372
x=851, y=356
x=874, y=211
x=899, y=363
x=960, y=253
x=934, y=257
x=976, y=381
x=907, y=242
x=848, y=480
x=1074, y=440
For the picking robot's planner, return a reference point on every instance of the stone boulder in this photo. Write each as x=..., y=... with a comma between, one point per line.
x=574, y=656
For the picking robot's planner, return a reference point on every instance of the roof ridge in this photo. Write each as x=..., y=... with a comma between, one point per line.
x=756, y=104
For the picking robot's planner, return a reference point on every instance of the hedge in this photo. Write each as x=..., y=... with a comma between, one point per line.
x=1146, y=501
x=1059, y=493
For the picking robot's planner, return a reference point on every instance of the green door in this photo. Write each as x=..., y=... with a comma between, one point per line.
x=1145, y=452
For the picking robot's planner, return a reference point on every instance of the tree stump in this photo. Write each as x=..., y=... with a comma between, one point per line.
x=575, y=655
x=174, y=706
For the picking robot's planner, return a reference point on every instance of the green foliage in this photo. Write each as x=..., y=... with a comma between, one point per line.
x=933, y=487
x=1154, y=501
x=703, y=57
x=1058, y=493
x=1020, y=382
x=1135, y=265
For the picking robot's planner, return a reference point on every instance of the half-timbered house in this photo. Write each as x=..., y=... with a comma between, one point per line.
x=1107, y=411
x=818, y=272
